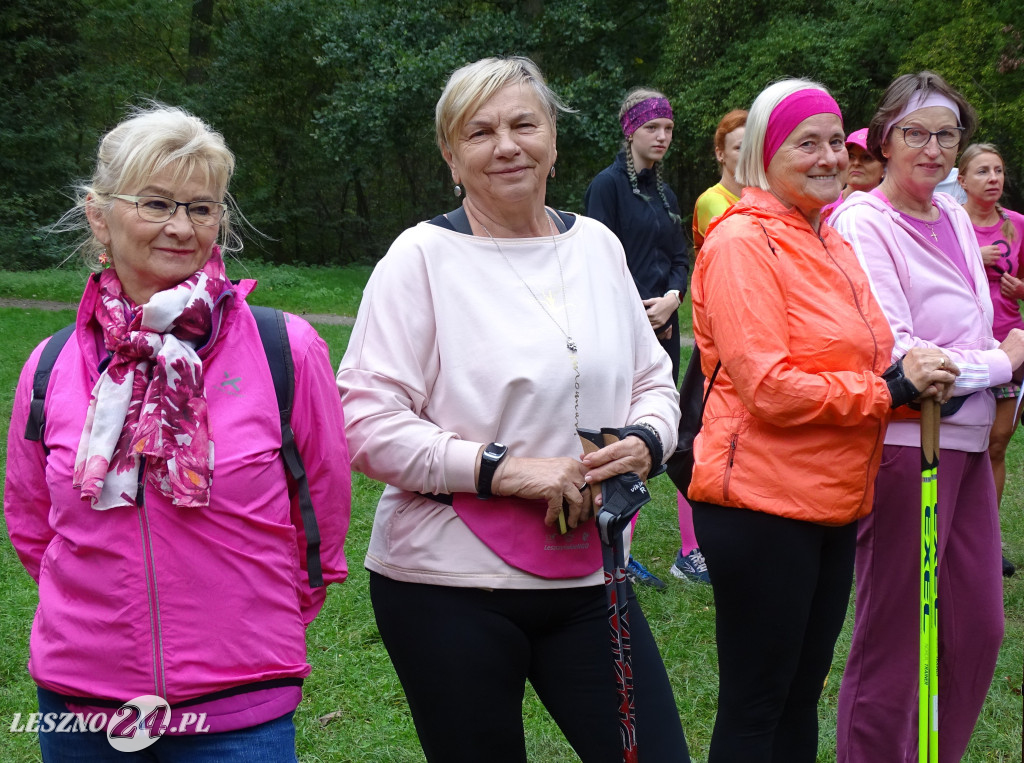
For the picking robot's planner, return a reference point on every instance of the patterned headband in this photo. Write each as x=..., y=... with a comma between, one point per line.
x=644, y=112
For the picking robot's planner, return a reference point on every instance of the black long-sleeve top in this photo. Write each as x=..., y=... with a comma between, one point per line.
x=656, y=249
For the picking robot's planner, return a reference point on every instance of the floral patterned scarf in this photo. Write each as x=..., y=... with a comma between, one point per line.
x=150, y=401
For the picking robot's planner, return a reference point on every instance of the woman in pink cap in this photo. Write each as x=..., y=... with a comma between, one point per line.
x=922, y=257
x=799, y=351
x=864, y=173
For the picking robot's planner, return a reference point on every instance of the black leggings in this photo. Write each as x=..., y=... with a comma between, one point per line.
x=672, y=345
x=781, y=587
x=464, y=655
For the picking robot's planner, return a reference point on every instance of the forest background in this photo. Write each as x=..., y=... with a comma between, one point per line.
x=328, y=104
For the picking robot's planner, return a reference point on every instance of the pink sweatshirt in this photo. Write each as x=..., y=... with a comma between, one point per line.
x=1007, y=309
x=451, y=350
x=929, y=303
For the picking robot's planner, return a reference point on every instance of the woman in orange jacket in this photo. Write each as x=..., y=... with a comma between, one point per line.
x=793, y=428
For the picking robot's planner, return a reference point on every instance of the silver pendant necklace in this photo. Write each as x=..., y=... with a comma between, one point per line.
x=570, y=343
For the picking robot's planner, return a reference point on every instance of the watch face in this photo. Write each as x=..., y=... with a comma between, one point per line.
x=495, y=451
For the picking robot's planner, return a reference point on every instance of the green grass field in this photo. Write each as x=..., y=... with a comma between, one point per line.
x=354, y=708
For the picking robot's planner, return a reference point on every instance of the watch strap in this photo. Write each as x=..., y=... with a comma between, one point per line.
x=493, y=455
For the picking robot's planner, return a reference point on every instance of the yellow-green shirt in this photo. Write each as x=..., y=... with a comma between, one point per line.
x=710, y=205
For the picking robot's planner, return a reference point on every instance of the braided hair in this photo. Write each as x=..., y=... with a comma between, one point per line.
x=972, y=152
x=635, y=96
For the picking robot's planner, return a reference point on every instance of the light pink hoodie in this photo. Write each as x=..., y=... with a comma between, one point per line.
x=929, y=303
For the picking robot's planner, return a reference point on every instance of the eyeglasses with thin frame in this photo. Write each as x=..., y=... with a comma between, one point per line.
x=160, y=209
x=918, y=137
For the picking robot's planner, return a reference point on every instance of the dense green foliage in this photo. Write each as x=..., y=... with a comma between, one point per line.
x=329, y=103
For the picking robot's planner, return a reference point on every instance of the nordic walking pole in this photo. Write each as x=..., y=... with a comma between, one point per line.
x=928, y=710
x=622, y=496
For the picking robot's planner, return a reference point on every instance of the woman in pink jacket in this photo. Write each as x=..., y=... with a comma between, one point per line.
x=921, y=255
x=154, y=512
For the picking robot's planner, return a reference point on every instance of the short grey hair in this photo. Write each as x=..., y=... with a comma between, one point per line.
x=471, y=86
x=750, y=169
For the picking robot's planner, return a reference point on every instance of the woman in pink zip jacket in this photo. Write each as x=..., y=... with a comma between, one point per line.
x=154, y=513
x=922, y=258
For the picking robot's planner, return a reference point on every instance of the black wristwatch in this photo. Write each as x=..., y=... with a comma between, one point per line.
x=492, y=456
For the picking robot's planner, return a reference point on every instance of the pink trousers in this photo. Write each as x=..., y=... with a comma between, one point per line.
x=878, y=698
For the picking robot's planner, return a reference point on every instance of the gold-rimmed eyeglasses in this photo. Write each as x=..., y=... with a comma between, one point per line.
x=160, y=209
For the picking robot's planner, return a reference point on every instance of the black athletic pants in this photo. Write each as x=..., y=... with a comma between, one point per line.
x=672, y=345
x=781, y=587
x=464, y=655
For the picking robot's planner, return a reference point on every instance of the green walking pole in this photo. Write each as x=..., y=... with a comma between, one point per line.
x=928, y=713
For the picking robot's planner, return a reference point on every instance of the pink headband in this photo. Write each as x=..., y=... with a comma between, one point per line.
x=644, y=112
x=791, y=111
x=922, y=100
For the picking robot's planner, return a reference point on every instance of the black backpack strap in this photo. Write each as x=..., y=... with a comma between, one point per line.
x=274, y=335
x=41, y=382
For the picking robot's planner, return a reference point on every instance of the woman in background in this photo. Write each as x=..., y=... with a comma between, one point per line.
x=864, y=172
x=1000, y=232
x=690, y=563
x=633, y=200
x=726, y=192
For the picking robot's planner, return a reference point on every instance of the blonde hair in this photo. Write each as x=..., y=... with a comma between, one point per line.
x=152, y=139
x=971, y=153
x=750, y=169
x=472, y=85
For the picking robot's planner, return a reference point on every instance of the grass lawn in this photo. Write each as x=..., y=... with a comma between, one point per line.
x=297, y=289
x=353, y=687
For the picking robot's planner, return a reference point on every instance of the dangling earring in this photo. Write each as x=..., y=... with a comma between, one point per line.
x=104, y=259
x=458, y=191
x=552, y=173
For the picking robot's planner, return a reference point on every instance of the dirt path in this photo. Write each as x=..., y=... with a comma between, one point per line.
x=41, y=304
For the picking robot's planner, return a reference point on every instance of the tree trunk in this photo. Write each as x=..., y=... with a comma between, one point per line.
x=199, y=41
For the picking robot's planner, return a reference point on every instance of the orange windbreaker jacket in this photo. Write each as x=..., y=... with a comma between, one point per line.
x=796, y=419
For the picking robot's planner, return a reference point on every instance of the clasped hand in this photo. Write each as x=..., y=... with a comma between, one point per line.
x=1010, y=287
x=932, y=372
x=566, y=482
x=659, y=310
